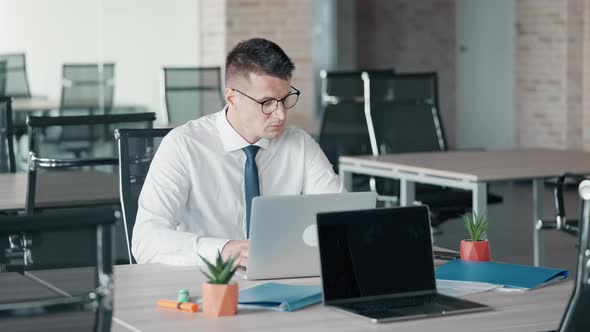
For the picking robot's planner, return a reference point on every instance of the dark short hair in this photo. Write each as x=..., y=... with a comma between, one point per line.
x=260, y=56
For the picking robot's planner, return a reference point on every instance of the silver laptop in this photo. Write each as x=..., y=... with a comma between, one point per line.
x=283, y=232
x=378, y=264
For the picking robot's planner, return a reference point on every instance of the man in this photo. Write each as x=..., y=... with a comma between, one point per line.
x=197, y=196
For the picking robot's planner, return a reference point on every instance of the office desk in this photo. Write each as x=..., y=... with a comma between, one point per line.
x=60, y=189
x=138, y=287
x=471, y=170
x=15, y=287
x=45, y=105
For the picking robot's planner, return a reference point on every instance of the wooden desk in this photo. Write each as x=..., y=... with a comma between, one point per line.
x=60, y=189
x=471, y=170
x=45, y=105
x=138, y=287
x=15, y=288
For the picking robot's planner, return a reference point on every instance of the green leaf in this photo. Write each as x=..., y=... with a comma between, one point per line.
x=476, y=225
x=225, y=275
x=219, y=263
x=210, y=277
x=210, y=266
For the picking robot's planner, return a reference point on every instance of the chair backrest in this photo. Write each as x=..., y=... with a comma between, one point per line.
x=343, y=129
x=7, y=161
x=87, y=87
x=2, y=78
x=36, y=123
x=403, y=113
x=68, y=251
x=14, y=75
x=137, y=148
x=575, y=316
x=192, y=92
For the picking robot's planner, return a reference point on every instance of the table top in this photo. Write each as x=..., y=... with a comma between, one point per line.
x=480, y=165
x=40, y=104
x=138, y=287
x=60, y=189
x=16, y=288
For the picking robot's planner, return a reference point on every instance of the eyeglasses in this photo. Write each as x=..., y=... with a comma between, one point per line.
x=270, y=105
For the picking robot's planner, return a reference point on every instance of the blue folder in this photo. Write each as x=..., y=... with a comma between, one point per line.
x=281, y=297
x=507, y=275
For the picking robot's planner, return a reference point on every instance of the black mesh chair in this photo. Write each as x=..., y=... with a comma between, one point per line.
x=137, y=148
x=561, y=222
x=404, y=117
x=343, y=128
x=192, y=92
x=87, y=88
x=7, y=161
x=68, y=254
x=2, y=78
x=575, y=316
x=37, y=123
x=15, y=76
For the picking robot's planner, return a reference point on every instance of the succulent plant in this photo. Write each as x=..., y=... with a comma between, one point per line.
x=221, y=272
x=476, y=225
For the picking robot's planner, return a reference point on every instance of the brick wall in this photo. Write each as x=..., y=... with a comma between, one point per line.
x=411, y=36
x=286, y=22
x=552, y=75
x=585, y=70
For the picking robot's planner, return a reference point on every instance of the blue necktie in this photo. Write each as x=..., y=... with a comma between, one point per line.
x=251, y=186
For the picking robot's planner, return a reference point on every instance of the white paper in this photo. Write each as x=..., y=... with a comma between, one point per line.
x=462, y=288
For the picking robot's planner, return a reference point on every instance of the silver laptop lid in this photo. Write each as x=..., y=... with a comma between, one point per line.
x=374, y=253
x=283, y=232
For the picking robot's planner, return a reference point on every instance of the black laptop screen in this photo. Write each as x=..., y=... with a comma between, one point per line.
x=375, y=252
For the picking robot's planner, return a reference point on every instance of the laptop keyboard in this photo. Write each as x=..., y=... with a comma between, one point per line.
x=385, y=305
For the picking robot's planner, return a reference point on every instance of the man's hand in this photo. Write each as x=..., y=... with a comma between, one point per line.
x=236, y=248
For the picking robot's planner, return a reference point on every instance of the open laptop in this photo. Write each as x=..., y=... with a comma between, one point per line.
x=283, y=232
x=378, y=264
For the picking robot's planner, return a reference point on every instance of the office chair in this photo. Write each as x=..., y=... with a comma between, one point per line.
x=561, y=222
x=575, y=317
x=15, y=76
x=7, y=160
x=137, y=148
x=403, y=116
x=87, y=89
x=2, y=78
x=343, y=128
x=67, y=251
x=192, y=92
x=37, y=123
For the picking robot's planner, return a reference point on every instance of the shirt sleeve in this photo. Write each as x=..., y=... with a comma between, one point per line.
x=161, y=204
x=319, y=176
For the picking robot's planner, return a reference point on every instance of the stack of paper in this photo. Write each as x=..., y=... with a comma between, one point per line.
x=281, y=297
x=461, y=288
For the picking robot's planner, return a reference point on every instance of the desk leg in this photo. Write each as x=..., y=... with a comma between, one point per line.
x=538, y=191
x=480, y=198
x=346, y=178
x=407, y=192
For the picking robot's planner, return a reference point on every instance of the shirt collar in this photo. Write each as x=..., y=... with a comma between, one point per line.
x=230, y=138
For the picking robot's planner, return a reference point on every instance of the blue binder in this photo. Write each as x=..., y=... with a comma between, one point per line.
x=507, y=275
x=281, y=297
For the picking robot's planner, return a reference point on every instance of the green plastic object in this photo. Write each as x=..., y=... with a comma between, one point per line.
x=182, y=296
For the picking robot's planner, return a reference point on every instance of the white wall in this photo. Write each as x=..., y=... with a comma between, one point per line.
x=139, y=36
x=485, y=74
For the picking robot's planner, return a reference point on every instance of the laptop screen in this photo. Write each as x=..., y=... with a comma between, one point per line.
x=375, y=252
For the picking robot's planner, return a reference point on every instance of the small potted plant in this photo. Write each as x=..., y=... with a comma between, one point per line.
x=477, y=248
x=220, y=298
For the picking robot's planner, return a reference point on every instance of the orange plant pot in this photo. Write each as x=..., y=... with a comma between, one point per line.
x=220, y=300
x=475, y=250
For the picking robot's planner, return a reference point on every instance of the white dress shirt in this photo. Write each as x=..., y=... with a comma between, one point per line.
x=192, y=201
